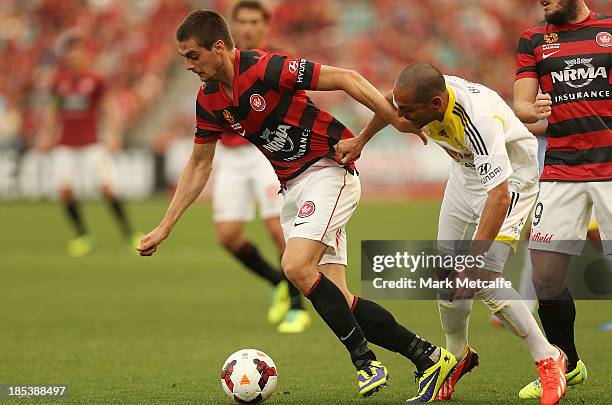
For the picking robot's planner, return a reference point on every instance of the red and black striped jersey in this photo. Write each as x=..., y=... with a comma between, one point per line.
x=231, y=141
x=573, y=63
x=270, y=108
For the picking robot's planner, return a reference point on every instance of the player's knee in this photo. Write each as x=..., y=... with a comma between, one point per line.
x=66, y=194
x=107, y=191
x=297, y=271
x=229, y=240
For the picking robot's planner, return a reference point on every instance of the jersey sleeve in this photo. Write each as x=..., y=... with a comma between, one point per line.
x=283, y=73
x=486, y=140
x=526, y=65
x=207, y=130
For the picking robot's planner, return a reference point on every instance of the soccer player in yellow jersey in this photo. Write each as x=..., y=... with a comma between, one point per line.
x=488, y=198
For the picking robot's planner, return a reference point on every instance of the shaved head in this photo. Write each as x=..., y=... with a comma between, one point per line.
x=420, y=94
x=423, y=80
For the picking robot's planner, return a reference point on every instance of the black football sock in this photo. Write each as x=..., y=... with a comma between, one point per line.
x=558, y=316
x=249, y=255
x=119, y=213
x=295, y=294
x=74, y=214
x=329, y=302
x=380, y=327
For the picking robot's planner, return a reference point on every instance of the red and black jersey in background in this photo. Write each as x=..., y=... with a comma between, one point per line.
x=270, y=108
x=77, y=97
x=573, y=64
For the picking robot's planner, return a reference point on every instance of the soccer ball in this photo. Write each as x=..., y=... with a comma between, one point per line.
x=249, y=376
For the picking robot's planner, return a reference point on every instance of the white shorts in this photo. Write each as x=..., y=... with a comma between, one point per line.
x=72, y=164
x=318, y=205
x=562, y=214
x=460, y=215
x=244, y=178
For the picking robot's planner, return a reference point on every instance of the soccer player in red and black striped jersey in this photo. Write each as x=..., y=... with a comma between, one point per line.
x=261, y=96
x=568, y=58
x=245, y=180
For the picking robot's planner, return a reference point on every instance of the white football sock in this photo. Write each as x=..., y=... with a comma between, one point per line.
x=455, y=316
x=508, y=306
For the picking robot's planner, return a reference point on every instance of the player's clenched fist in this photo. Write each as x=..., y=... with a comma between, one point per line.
x=148, y=244
x=348, y=150
x=542, y=106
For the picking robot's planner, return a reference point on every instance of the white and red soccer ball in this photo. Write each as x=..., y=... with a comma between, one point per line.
x=249, y=376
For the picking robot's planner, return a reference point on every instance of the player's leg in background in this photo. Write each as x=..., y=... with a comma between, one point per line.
x=562, y=210
x=64, y=162
x=233, y=199
x=600, y=232
x=231, y=236
x=97, y=153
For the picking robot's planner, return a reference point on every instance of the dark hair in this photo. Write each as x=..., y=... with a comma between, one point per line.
x=426, y=80
x=251, y=5
x=205, y=27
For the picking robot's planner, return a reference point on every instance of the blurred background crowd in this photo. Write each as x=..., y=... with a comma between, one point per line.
x=132, y=45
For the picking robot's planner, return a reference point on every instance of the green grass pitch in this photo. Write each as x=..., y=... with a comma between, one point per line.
x=122, y=329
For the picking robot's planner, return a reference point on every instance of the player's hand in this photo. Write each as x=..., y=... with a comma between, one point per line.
x=148, y=244
x=542, y=107
x=404, y=125
x=348, y=150
x=461, y=292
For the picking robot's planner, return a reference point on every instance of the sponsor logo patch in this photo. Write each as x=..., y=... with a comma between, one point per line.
x=293, y=66
x=229, y=117
x=541, y=237
x=484, y=169
x=578, y=72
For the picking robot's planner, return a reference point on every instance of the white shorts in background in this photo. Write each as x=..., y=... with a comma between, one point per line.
x=460, y=215
x=562, y=214
x=72, y=164
x=318, y=205
x=244, y=178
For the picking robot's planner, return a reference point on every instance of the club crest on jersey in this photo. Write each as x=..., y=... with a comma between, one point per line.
x=258, y=103
x=551, y=38
x=604, y=39
x=307, y=209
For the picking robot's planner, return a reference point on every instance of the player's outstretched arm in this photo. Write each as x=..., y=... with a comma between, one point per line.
x=529, y=106
x=356, y=86
x=193, y=179
x=350, y=149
